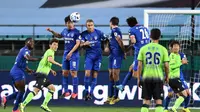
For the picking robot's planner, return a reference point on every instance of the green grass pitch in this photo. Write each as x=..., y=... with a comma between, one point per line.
x=81, y=109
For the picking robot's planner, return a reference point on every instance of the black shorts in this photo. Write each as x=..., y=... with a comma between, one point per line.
x=41, y=81
x=152, y=89
x=176, y=85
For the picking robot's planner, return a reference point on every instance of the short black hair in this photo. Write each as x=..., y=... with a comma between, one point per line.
x=53, y=40
x=28, y=39
x=173, y=43
x=131, y=21
x=89, y=20
x=67, y=19
x=114, y=20
x=155, y=34
x=170, y=42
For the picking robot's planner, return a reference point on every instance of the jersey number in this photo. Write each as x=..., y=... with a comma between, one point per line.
x=156, y=59
x=145, y=34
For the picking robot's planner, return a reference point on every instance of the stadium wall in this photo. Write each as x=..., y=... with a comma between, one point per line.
x=130, y=97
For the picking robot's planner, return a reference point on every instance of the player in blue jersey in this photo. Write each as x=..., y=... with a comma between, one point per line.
x=139, y=36
x=17, y=74
x=184, y=83
x=116, y=49
x=91, y=40
x=70, y=62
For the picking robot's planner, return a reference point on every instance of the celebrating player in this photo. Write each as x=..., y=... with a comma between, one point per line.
x=42, y=72
x=139, y=36
x=18, y=74
x=175, y=79
x=151, y=58
x=115, y=59
x=91, y=39
x=70, y=62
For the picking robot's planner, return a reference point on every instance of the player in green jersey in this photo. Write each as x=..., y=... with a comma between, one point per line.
x=152, y=59
x=174, y=75
x=42, y=72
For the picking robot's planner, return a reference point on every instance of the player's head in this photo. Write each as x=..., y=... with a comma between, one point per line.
x=131, y=21
x=29, y=43
x=69, y=23
x=53, y=44
x=114, y=21
x=169, y=45
x=90, y=25
x=175, y=45
x=155, y=34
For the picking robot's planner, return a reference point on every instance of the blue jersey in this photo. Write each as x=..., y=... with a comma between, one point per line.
x=141, y=35
x=181, y=73
x=20, y=61
x=115, y=49
x=95, y=39
x=70, y=36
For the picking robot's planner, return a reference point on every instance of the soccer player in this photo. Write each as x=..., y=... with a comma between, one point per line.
x=170, y=91
x=115, y=60
x=152, y=59
x=42, y=80
x=18, y=74
x=91, y=40
x=176, y=81
x=139, y=36
x=70, y=62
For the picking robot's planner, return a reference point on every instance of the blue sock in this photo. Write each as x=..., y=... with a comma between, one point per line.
x=75, y=84
x=116, y=90
x=128, y=77
x=86, y=82
x=65, y=83
x=18, y=100
x=167, y=100
x=12, y=96
x=93, y=84
x=111, y=88
x=186, y=101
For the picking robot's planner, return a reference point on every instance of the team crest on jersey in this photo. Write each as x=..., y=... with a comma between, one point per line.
x=72, y=34
x=68, y=34
x=115, y=34
x=95, y=37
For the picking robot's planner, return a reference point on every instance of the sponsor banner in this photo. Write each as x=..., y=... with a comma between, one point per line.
x=131, y=96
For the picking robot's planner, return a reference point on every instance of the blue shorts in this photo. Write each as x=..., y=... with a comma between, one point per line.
x=135, y=62
x=93, y=64
x=17, y=75
x=72, y=64
x=184, y=83
x=115, y=62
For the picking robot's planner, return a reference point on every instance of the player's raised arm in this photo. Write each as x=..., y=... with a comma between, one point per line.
x=29, y=58
x=58, y=35
x=51, y=60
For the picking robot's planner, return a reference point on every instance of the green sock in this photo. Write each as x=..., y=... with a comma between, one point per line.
x=178, y=102
x=28, y=98
x=47, y=98
x=159, y=109
x=144, y=109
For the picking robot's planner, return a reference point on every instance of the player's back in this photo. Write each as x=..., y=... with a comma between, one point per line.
x=153, y=55
x=20, y=61
x=115, y=48
x=70, y=36
x=141, y=34
x=44, y=65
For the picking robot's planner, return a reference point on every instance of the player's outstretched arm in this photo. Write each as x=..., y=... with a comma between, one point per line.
x=29, y=58
x=29, y=70
x=119, y=40
x=54, y=33
x=51, y=60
